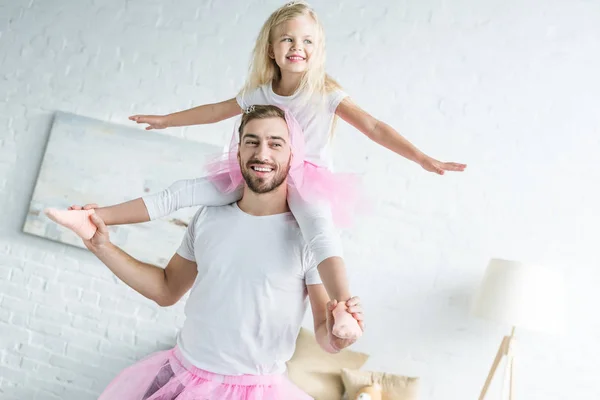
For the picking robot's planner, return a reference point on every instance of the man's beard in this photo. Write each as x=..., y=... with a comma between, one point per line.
x=264, y=185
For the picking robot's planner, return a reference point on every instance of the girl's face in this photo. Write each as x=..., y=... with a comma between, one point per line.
x=292, y=44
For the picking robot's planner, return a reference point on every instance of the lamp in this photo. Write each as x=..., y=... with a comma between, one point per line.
x=520, y=295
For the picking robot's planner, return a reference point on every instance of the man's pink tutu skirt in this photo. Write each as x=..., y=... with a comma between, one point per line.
x=314, y=183
x=167, y=375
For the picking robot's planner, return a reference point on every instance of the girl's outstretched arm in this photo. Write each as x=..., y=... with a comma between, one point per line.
x=384, y=135
x=204, y=114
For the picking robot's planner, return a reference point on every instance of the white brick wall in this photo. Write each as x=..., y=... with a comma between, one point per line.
x=510, y=87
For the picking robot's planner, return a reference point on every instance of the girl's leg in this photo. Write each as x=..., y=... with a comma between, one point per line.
x=183, y=193
x=188, y=193
x=320, y=233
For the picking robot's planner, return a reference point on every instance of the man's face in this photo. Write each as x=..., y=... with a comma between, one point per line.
x=265, y=154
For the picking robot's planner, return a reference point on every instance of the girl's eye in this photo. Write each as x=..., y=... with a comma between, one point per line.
x=287, y=39
x=307, y=41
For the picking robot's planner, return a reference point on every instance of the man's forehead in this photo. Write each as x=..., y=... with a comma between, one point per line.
x=267, y=135
x=267, y=129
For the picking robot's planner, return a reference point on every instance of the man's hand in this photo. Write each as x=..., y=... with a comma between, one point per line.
x=101, y=239
x=86, y=207
x=355, y=309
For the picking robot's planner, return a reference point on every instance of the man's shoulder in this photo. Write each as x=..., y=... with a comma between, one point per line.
x=212, y=212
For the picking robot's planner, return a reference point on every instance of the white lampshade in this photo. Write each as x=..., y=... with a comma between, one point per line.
x=521, y=295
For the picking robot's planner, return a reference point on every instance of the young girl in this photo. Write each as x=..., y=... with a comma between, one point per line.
x=288, y=71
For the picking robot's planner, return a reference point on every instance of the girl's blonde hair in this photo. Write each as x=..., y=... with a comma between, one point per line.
x=264, y=70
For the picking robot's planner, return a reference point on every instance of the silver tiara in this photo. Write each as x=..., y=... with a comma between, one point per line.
x=249, y=110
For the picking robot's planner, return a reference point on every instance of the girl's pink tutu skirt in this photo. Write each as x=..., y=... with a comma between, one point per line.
x=315, y=184
x=167, y=375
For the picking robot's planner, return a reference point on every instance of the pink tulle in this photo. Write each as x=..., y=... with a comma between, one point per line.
x=167, y=375
x=313, y=182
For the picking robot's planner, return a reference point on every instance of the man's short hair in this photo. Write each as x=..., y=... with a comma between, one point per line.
x=260, y=112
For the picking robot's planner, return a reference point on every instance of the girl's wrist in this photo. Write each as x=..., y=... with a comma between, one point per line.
x=167, y=120
x=420, y=158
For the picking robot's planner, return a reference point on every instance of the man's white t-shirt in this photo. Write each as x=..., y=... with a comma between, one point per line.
x=315, y=117
x=247, y=303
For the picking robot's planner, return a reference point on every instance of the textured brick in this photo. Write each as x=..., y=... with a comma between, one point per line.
x=5, y=315
x=45, y=326
x=12, y=335
x=36, y=353
x=36, y=283
x=41, y=270
x=53, y=344
x=12, y=360
x=10, y=289
x=4, y=272
x=18, y=305
x=74, y=279
x=58, y=317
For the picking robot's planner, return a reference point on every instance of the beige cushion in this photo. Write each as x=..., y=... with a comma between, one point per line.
x=394, y=387
x=317, y=372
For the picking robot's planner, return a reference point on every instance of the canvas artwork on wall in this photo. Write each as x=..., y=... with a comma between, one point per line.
x=92, y=161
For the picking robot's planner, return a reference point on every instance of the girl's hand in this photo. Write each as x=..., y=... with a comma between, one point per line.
x=433, y=165
x=153, y=121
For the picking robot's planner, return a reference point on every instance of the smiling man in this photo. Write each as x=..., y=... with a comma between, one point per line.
x=264, y=174
x=251, y=277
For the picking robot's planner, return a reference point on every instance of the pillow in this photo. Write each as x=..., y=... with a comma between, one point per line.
x=394, y=387
x=317, y=372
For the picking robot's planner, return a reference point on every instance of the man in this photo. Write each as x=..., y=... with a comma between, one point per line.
x=251, y=274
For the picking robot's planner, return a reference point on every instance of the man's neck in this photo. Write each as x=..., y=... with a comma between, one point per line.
x=274, y=202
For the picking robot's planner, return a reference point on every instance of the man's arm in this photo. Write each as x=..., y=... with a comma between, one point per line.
x=322, y=311
x=163, y=286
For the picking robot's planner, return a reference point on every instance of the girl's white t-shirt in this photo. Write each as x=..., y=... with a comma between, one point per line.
x=314, y=116
x=248, y=301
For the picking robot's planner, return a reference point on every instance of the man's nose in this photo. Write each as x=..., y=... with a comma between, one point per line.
x=262, y=151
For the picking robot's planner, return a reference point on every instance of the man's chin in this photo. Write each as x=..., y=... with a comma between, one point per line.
x=262, y=184
x=259, y=185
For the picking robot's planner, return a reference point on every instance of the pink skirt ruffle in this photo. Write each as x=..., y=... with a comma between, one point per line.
x=167, y=375
x=341, y=191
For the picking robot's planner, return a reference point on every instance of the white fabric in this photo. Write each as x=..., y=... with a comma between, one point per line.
x=315, y=118
x=315, y=219
x=246, y=306
x=187, y=193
